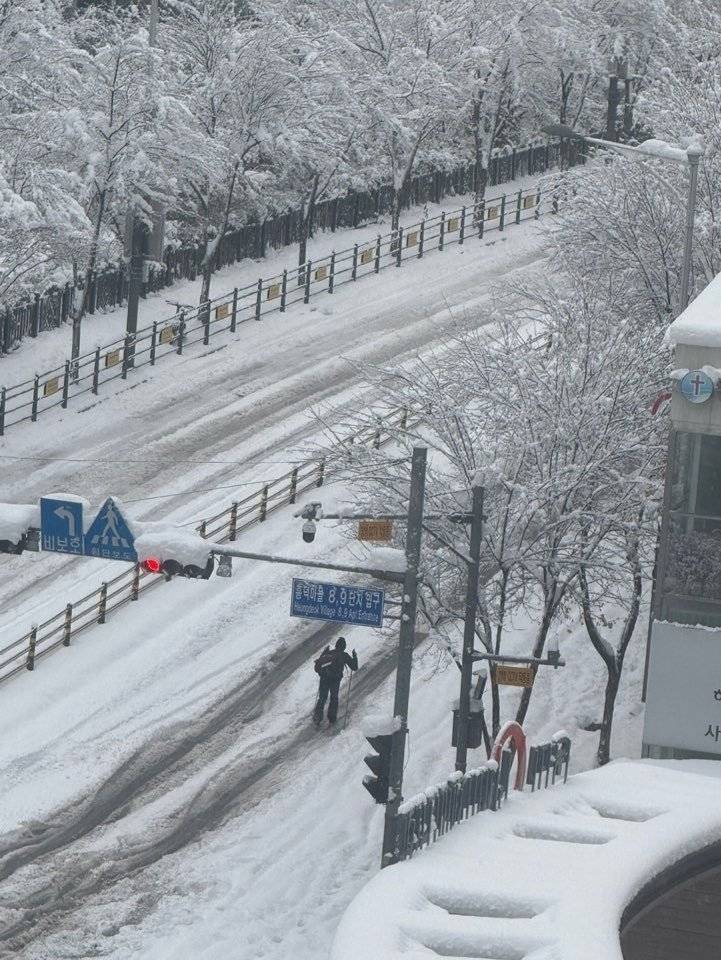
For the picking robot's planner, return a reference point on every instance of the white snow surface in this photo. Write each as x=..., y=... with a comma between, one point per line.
x=168, y=541
x=663, y=150
x=700, y=323
x=15, y=518
x=595, y=842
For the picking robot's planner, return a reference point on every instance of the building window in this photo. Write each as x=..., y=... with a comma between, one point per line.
x=691, y=555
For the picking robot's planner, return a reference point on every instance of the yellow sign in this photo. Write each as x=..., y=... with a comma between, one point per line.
x=321, y=273
x=379, y=531
x=273, y=291
x=366, y=256
x=51, y=386
x=453, y=224
x=222, y=311
x=529, y=202
x=492, y=213
x=112, y=358
x=412, y=239
x=167, y=334
x=513, y=676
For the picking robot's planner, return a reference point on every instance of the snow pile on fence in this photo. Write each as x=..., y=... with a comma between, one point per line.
x=552, y=872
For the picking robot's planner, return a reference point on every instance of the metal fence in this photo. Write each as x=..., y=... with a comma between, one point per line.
x=133, y=581
x=109, y=286
x=423, y=819
x=28, y=400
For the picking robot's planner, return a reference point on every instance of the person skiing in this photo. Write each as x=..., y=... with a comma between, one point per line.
x=330, y=666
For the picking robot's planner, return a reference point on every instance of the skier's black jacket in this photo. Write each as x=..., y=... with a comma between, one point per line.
x=330, y=663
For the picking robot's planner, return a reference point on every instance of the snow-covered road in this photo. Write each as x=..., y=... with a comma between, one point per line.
x=233, y=415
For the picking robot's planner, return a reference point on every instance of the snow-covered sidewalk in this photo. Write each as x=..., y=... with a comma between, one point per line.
x=52, y=347
x=548, y=876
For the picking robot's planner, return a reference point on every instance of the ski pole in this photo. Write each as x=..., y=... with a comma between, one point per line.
x=347, y=700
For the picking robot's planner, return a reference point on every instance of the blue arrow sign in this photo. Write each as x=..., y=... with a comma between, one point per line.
x=344, y=603
x=109, y=535
x=61, y=525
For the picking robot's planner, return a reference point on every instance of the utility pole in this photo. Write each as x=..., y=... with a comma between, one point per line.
x=406, y=643
x=469, y=631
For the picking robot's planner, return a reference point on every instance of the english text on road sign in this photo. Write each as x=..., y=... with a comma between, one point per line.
x=61, y=525
x=513, y=676
x=344, y=603
x=109, y=535
x=375, y=530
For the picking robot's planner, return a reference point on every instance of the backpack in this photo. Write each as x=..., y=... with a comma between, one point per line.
x=325, y=660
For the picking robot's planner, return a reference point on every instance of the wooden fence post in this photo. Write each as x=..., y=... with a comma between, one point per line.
x=283, y=291
x=68, y=625
x=34, y=408
x=462, y=235
x=66, y=385
x=481, y=218
x=399, y=251
x=378, y=254
x=205, y=320
x=233, y=523
x=234, y=313
x=153, y=342
x=103, y=602
x=32, y=641
x=331, y=278
x=293, y=485
x=537, y=211
x=135, y=585
x=442, y=230
x=421, y=239
x=354, y=271
x=126, y=356
x=181, y=331
x=259, y=299
x=96, y=371
x=264, y=503
x=502, y=221
x=519, y=204
x=306, y=292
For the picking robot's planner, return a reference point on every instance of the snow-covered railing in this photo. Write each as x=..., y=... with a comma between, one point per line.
x=426, y=817
x=133, y=581
x=109, y=286
x=28, y=400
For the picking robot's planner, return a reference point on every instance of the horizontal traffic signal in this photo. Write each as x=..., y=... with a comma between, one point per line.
x=378, y=785
x=174, y=568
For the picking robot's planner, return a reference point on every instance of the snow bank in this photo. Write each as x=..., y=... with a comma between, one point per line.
x=613, y=829
x=168, y=542
x=15, y=518
x=700, y=323
x=663, y=150
x=381, y=726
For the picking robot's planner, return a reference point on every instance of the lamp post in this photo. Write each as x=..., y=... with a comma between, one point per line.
x=690, y=157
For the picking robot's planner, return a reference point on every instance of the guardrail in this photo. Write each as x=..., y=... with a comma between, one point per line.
x=424, y=819
x=28, y=400
x=134, y=582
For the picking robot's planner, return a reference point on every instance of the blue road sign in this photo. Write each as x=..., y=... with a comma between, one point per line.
x=61, y=525
x=344, y=603
x=109, y=535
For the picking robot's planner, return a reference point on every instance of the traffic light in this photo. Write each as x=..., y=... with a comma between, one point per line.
x=174, y=568
x=378, y=785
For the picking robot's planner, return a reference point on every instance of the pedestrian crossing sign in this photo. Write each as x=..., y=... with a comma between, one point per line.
x=109, y=535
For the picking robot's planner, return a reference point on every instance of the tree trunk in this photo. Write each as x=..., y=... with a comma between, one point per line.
x=92, y=256
x=604, y=741
x=210, y=258
x=305, y=223
x=537, y=652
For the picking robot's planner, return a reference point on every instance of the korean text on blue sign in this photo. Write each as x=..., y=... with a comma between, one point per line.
x=344, y=603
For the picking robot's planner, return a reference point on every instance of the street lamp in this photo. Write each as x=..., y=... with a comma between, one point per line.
x=690, y=157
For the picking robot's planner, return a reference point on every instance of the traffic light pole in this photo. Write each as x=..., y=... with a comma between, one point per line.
x=405, y=651
x=469, y=631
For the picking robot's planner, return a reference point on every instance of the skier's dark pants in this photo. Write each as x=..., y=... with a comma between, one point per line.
x=327, y=686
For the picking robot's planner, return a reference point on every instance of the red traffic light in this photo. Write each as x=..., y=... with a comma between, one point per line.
x=152, y=565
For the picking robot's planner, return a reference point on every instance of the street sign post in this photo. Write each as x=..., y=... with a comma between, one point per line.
x=513, y=676
x=343, y=603
x=109, y=535
x=61, y=525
